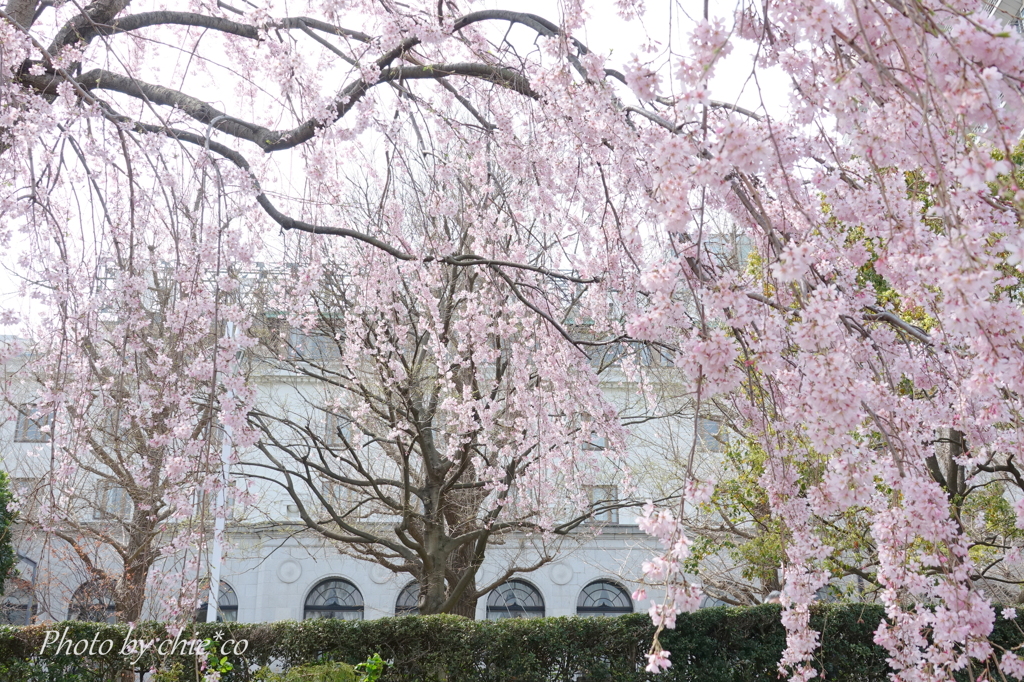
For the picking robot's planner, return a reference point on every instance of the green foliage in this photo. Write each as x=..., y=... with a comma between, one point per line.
x=1005, y=190
x=989, y=517
x=371, y=669
x=743, y=503
x=7, y=518
x=215, y=661
x=317, y=672
x=175, y=673
x=759, y=543
x=711, y=645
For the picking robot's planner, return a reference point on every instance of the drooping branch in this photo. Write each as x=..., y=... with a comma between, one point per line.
x=289, y=223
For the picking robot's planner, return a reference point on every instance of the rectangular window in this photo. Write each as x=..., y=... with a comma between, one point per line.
x=744, y=247
x=207, y=502
x=719, y=247
x=599, y=495
x=607, y=355
x=336, y=494
x=112, y=502
x=730, y=250
x=117, y=429
x=311, y=347
x=656, y=356
x=272, y=333
x=711, y=435
x=339, y=430
x=31, y=427
x=27, y=491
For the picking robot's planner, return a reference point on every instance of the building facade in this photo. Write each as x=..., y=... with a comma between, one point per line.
x=274, y=569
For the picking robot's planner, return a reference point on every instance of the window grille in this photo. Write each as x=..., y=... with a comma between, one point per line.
x=603, y=598
x=600, y=494
x=31, y=427
x=711, y=435
x=339, y=430
x=227, y=604
x=112, y=502
x=19, y=605
x=93, y=602
x=334, y=598
x=313, y=347
x=515, y=599
x=408, y=602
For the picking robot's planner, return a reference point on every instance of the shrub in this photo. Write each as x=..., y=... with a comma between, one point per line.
x=8, y=558
x=319, y=672
x=711, y=645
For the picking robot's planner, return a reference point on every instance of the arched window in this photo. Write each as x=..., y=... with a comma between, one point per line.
x=515, y=599
x=709, y=602
x=334, y=598
x=408, y=602
x=93, y=601
x=19, y=604
x=227, y=604
x=603, y=598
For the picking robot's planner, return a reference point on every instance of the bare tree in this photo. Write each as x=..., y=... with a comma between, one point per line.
x=417, y=416
x=133, y=438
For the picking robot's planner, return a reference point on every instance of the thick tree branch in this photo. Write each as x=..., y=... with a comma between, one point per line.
x=274, y=140
x=21, y=12
x=84, y=27
x=134, y=22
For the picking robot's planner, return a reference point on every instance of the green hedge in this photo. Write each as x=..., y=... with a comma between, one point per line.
x=711, y=645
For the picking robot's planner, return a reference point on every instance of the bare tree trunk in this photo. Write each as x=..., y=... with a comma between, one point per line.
x=131, y=590
x=466, y=606
x=131, y=593
x=461, y=562
x=433, y=587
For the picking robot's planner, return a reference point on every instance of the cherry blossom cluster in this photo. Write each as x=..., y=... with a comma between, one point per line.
x=878, y=189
